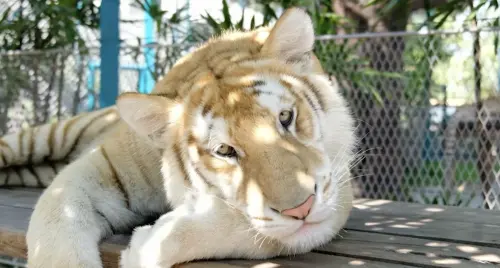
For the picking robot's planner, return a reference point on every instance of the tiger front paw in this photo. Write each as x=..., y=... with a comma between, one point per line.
x=142, y=251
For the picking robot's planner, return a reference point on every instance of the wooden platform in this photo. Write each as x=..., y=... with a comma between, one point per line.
x=379, y=233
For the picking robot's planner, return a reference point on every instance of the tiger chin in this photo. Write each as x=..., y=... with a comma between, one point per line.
x=243, y=148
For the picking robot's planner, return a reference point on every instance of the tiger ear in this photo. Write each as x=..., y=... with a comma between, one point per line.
x=149, y=115
x=292, y=37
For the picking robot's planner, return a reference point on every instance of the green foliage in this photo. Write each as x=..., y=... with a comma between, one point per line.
x=431, y=175
x=421, y=55
x=169, y=29
x=326, y=21
x=46, y=24
x=228, y=21
x=444, y=13
x=340, y=60
x=447, y=199
x=168, y=24
x=39, y=25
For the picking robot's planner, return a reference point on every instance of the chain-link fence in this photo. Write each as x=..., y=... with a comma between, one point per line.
x=41, y=86
x=413, y=95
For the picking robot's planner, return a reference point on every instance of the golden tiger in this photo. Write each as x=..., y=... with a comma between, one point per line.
x=243, y=137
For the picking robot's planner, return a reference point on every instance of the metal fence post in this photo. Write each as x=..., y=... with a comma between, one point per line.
x=109, y=52
x=90, y=86
x=148, y=80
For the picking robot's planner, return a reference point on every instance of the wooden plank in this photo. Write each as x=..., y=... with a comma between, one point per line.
x=12, y=243
x=13, y=231
x=410, y=211
x=476, y=234
x=379, y=234
x=19, y=197
x=303, y=260
x=426, y=226
x=414, y=251
x=15, y=219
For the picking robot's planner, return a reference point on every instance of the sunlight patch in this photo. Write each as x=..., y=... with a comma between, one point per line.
x=264, y=134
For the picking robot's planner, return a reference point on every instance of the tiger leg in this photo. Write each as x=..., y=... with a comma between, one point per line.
x=211, y=229
x=74, y=214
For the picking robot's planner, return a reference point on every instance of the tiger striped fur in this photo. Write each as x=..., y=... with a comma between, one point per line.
x=243, y=138
x=32, y=157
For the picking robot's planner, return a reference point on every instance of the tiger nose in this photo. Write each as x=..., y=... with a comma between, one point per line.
x=301, y=211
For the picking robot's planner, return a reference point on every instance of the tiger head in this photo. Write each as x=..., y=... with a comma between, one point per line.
x=252, y=118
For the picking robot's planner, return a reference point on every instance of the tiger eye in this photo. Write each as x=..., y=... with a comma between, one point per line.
x=225, y=150
x=286, y=118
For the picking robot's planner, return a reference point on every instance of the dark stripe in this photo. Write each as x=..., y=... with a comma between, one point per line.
x=21, y=143
x=301, y=94
x=2, y=155
x=311, y=103
x=20, y=175
x=50, y=141
x=3, y=143
x=170, y=95
x=315, y=92
x=8, y=177
x=67, y=128
x=258, y=83
x=76, y=142
x=304, y=57
x=51, y=165
x=16, y=170
x=98, y=212
x=31, y=145
x=206, y=108
x=259, y=92
x=289, y=87
x=202, y=176
x=178, y=158
x=59, y=165
x=4, y=160
x=115, y=177
x=298, y=94
x=325, y=189
x=35, y=174
x=262, y=218
x=192, y=142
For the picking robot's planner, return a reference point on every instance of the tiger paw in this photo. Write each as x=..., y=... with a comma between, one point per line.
x=142, y=252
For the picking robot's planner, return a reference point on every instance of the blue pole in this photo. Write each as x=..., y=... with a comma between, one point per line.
x=110, y=46
x=147, y=80
x=90, y=86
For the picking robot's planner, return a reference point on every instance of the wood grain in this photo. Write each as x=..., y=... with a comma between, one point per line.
x=413, y=210
x=19, y=197
x=379, y=233
x=428, y=226
x=407, y=250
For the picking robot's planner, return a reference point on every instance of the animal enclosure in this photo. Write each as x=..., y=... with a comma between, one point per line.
x=415, y=97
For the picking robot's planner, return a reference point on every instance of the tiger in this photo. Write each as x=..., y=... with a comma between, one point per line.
x=245, y=137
